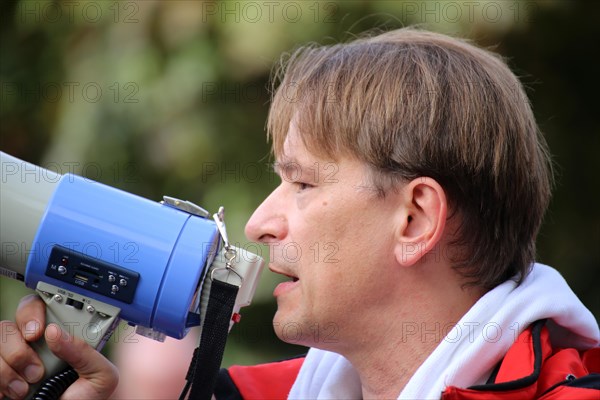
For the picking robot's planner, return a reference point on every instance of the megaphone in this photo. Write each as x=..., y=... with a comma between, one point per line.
x=97, y=255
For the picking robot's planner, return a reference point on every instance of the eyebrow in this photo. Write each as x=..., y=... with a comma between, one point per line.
x=288, y=166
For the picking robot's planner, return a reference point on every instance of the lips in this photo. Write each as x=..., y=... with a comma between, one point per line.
x=282, y=271
x=286, y=286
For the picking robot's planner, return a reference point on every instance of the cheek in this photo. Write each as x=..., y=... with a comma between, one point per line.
x=360, y=269
x=341, y=246
x=328, y=286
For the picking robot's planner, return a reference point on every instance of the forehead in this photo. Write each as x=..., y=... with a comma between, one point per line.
x=296, y=158
x=298, y=151
x=294, y=148
x=301, y=136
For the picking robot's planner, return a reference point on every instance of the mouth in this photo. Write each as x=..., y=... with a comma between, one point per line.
x=293, y=278
x=285, y=286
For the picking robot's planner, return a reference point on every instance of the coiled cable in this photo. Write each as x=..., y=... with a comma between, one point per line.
x=55, y=386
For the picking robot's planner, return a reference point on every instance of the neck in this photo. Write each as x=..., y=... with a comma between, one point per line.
x=388, y=354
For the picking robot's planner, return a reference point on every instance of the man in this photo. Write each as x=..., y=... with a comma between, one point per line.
x=413, y=184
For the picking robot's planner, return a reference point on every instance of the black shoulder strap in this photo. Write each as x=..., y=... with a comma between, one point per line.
x=202, y=374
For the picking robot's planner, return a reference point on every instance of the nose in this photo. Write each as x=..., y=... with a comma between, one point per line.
x=268, y=223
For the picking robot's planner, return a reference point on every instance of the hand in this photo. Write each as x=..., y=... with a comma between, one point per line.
x=20, y=365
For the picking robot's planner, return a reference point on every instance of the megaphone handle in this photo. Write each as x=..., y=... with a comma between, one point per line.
x=86, y=318
x=53, y=366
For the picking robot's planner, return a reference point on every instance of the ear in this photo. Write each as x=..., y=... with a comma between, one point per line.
x=422, y=218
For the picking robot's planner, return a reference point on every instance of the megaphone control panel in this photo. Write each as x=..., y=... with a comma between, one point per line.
x=92, y=274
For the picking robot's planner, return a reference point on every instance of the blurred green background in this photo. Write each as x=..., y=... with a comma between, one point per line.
x=171, y=98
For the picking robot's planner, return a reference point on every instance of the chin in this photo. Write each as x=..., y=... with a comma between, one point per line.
x=292, y=330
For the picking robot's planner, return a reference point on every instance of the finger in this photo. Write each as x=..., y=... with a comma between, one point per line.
x=31, y=317
x=16, y=353
x=98, y=377
x=11, y=384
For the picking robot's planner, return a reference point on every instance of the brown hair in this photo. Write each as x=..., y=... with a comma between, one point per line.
x=413, y=103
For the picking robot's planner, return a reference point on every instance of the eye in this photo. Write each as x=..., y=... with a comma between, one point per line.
x=302, y=186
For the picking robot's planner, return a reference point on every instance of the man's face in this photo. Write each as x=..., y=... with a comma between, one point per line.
x=333, y=237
